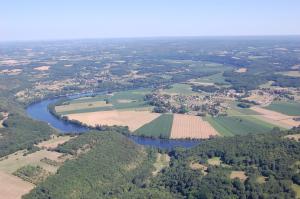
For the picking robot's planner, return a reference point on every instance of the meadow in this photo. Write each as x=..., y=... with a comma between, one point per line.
x=239, y=125
x=182, y=89
x=132, y=99
x=287, y=108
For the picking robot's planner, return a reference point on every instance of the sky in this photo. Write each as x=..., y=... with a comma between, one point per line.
x=80, y=19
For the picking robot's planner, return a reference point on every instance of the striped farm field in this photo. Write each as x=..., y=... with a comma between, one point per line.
x=188, y=126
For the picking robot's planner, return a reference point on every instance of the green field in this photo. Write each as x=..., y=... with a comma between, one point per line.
x=288, y=108
x=160, y=127
x=234, y=110
x=238, y=125
x=119, y=100
x=183, y=89
x=216, y=78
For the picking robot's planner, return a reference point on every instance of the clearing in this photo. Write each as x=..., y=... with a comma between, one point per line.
x=54, y=142
x=188, y=126
x=42, y=68
x=4, y=116
x=198, y=166
x=296, y=188
x=239, y=175
x=295, y=137
x=162, y=161
x=241, y=70
x=215, y=161
x=132, y=119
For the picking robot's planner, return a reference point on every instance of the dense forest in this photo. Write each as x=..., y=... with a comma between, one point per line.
x=108, y=165
x=20, y=132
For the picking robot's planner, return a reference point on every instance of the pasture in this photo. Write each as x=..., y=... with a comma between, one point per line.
x=188, y=126
x=133, y=99
x=287, y=108
x=179, y=89
x=160, y=127
x=212, y=79
x=238, y=125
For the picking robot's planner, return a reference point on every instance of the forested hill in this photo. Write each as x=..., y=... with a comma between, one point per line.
x=111, y=166
x=108, y=165
x=266, y=166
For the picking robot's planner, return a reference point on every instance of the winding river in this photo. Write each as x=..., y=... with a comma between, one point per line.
x=39, y=111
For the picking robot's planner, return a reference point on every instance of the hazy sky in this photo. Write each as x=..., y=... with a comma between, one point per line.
x=67, y=19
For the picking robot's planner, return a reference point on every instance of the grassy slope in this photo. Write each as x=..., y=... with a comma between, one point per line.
x=160, y=127
x=288, y=108
x=235, y=125
x=113, y=167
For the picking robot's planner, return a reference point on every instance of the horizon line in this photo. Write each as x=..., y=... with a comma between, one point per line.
x=145, y=37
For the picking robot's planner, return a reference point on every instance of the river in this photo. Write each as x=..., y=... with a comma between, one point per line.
x=39, y=111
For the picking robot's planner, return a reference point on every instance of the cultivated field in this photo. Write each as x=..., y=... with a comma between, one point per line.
x=240, y=124
x=187, y=126
x=276, y=118
x=160, y=127
x=132, y=119
x=81, y=106
x=12, y=187
x=133, y=99
x=17, y=160
x=287, y=108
